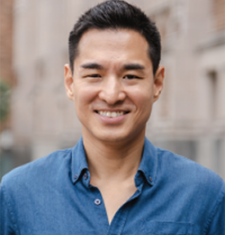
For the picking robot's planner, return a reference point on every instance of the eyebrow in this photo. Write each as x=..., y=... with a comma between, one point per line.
x=133, y=67
x=92, y=66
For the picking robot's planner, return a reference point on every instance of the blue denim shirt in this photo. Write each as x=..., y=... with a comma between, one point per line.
x=52, y=196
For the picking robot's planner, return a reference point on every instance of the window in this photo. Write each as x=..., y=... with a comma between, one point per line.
x=213, y=87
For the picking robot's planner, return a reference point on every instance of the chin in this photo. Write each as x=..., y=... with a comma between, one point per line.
x=116, y=137
x=112, y=138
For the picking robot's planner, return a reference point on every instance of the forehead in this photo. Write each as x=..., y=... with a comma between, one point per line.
x=112, y=44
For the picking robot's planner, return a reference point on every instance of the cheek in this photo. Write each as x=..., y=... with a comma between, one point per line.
x=84, y=95
x=143, y=98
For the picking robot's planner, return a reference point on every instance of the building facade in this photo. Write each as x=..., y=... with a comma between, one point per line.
x=188, y=119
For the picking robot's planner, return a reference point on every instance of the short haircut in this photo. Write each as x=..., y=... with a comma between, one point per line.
x=116, y=14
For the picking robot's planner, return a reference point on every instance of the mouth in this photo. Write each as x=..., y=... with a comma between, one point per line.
x=111, y=114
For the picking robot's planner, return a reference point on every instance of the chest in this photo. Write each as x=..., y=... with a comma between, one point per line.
x=83, y=211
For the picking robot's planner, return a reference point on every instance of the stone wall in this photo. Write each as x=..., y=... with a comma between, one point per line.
x=6, y=36
x=218, y=8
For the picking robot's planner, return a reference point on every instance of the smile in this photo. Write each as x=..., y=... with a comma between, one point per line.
x=111, y=114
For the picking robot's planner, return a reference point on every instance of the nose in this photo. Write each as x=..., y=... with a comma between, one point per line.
x=112, y=91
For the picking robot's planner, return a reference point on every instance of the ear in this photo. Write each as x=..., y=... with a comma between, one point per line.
x=158, y=82
x=68, y=81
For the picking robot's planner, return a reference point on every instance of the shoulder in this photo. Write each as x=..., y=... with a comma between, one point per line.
x=186, y=171
x=194, y=187
x=37, y=170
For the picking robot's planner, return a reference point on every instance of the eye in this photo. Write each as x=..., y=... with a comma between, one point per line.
x=94, y=76
x=131, y=77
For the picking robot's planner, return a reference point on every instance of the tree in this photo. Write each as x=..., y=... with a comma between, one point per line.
x=4, y=100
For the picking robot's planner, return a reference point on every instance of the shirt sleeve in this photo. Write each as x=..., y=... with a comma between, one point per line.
x=217, y=225
x=6, y=225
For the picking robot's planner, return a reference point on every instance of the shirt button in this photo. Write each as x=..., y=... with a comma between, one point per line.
x=97, y=202
x=150, y=178
x=85, y=176
x=75, y=177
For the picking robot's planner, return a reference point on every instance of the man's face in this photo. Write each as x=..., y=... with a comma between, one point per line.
x=113, y=86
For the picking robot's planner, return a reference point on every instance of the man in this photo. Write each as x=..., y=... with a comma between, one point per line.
x=114, y=181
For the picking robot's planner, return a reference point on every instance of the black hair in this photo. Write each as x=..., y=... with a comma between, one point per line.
x=116, y=14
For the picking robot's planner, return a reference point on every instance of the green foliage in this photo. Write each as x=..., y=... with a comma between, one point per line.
x=4, y=100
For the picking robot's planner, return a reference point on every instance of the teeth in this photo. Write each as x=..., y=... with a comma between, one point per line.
x=111, y=114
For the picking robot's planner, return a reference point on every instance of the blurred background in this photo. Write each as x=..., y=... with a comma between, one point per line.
x=37, y=118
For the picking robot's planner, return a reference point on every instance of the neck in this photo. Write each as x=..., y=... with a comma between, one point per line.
x=113, y=161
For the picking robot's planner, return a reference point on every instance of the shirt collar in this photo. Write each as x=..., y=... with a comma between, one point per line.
x=79, y=162
x=148, y=165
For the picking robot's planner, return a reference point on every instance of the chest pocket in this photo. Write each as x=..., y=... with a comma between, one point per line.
x=167, y=228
